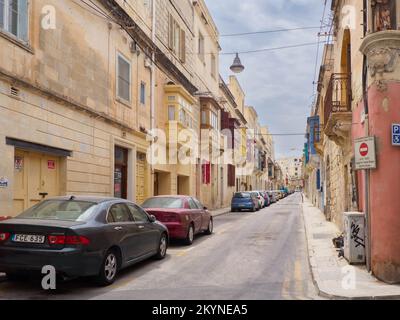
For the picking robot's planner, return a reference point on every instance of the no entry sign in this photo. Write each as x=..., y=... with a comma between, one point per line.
x=364, y=150
x=365, y=153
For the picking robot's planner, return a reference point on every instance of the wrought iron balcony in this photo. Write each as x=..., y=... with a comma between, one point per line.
x=338, y=98
x=337, y=109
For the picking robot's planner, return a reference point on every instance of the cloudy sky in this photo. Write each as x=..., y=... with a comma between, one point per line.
x=277, y=83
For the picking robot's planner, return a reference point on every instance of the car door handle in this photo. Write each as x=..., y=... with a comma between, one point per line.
x=118, y=228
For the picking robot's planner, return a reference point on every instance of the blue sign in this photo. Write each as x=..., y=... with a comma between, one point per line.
x=396, y=134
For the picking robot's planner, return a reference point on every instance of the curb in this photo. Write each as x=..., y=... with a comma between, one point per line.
x=220, y=213
x=319, y=292
x=330, y=296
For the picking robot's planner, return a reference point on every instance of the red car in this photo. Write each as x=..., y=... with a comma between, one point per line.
x=184, y=216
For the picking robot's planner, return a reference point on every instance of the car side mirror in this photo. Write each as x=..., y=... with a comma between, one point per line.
x=205, y=208
x=153, y=219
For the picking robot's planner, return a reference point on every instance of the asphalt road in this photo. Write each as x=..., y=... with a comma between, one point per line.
x=252, y=256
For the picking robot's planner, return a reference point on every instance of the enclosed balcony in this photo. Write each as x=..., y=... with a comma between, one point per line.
x=337, y=109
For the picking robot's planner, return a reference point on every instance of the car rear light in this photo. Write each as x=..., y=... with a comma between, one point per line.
x=4, y=236
x=70, y=240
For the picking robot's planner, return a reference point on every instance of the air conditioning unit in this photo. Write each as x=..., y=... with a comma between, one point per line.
x=354, y=237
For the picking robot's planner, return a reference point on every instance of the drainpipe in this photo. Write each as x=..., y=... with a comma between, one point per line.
x=366, y=172
x=152, y=84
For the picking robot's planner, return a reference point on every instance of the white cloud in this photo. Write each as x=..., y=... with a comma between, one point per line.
x=277, y=83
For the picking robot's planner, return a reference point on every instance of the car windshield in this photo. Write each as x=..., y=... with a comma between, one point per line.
x=165, y=203
x=60, y=210
x=242, y=195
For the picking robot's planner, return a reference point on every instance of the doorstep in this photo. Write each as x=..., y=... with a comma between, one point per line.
x=327, y=268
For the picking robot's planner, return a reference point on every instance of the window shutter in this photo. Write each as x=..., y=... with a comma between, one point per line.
x=171, y=32
x=208, y=173
x=183, y=47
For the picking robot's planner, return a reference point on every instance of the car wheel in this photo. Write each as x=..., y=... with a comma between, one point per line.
x=210, y=229
x=109, y=269
x=190, y=235
x=254, y=209
x=162, y=247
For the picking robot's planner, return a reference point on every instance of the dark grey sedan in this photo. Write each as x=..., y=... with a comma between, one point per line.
x=81, y=236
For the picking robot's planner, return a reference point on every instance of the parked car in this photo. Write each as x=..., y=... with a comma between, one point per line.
x=272, y=197
x=261, y=199
x=244, y=201
x=184, y=216
x=80, y=236
x=267, y=199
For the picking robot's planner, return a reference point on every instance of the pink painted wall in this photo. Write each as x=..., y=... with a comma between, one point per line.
x=358, y=131
x=384, y=109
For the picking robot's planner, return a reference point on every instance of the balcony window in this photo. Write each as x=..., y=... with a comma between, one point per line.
x=204, y=117
x=383, y=15
x=171, y=113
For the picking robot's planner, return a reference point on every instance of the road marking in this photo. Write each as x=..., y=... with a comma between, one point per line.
x=298, y=276
x=180, y=252
x=121, y=284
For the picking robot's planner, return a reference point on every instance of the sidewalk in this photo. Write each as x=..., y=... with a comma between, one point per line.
x=327, y=267
x=220, y=212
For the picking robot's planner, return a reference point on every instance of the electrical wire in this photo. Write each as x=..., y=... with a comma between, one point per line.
x=271, y=49
x=267, y=31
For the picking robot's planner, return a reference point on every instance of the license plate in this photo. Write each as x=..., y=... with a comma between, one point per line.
x=28, y=238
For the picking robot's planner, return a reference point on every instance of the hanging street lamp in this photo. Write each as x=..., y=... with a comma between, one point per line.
x=237, y=66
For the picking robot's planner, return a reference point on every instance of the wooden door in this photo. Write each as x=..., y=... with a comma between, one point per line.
x=36, y=176
x=140, y=178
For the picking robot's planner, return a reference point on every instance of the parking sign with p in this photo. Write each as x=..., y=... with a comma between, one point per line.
x=396, y=134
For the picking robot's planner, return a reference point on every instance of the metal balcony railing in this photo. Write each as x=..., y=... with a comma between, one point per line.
x=338, y=97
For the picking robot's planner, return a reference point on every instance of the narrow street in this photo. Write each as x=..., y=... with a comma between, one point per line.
x=251, y=256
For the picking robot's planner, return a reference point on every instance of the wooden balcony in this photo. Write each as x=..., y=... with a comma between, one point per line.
x=337, y=110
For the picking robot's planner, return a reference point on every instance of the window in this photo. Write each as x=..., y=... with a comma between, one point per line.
x=171, y=113
x=204, y=117
x=143, y=93
x=60, y=210
x=214, y=120
x=177, y=39
x=138, y=215
x=118, y=214
x=182, y=116
x=192, y=204
x=201, y=47
x=163, y=203
x=213, y=66
x=123, y=79
x=14, y=18
x=199, y=205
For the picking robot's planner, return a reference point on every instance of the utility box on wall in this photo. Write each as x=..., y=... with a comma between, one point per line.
x=354, y=237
